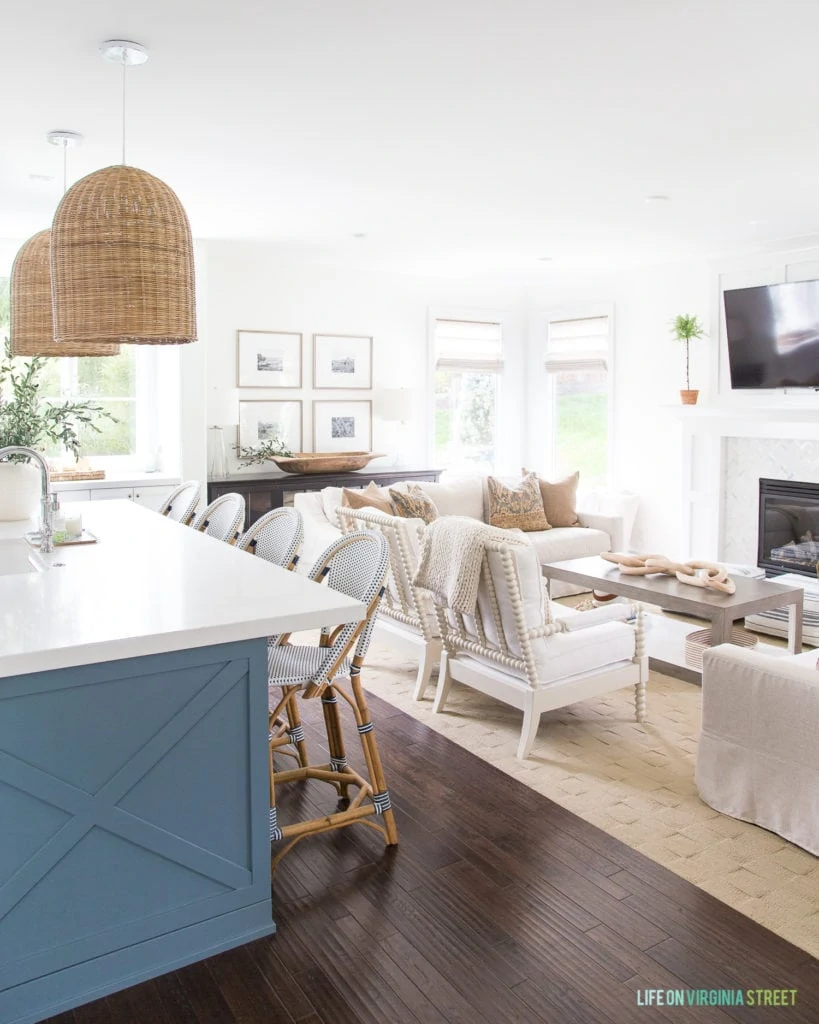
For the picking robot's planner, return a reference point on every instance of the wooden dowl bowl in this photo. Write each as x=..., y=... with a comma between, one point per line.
x=324, y=462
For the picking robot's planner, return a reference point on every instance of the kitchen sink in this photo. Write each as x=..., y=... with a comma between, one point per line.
x=17, y=556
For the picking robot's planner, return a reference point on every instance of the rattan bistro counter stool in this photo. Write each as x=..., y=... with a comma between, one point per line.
x=355, y=565
x=182, y=502
x=223, y=519
x=277, y=537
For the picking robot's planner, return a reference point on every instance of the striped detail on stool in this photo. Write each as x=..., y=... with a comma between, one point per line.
x=366, y=727
x=275, y=831
x=332, y=699
x=296, y=734
x=338, y=764
x=381, y=801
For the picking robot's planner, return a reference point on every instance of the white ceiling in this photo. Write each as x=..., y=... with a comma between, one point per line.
x=459, y=135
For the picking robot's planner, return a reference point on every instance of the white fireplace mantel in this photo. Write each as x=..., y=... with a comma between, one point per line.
x=707, y=491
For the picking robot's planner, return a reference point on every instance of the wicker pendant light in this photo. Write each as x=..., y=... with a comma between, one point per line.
x=32, y=323
x=122, y=253
x=31, y=320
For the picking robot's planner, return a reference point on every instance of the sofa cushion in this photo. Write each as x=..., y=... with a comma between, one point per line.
x=560, y=500
x=413, y=505
x=458, y=496
x=519, y=507
x=563, y=542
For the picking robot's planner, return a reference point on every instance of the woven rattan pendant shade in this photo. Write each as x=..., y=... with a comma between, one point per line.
x=122, y=261
x=32, y=322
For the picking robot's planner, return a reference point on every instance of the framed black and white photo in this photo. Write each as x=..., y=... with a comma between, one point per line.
x=342, y=426
x=261, y=421
x=342, y=361
x=268, y=359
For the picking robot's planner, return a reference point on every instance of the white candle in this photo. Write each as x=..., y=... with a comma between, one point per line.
x=73, y=526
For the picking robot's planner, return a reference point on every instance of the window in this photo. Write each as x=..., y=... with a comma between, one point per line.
x=577, y=373
x=110, y=381
x=126, y=386
x=468, y=364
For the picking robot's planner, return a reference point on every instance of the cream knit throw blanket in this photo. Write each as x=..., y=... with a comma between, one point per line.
x=451, y=559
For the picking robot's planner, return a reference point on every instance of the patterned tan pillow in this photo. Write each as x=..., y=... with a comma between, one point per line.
x=518, y=507
x=560, y=500
x=371, y=497
x=414, y=504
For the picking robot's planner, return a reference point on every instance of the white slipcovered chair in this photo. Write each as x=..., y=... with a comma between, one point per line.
x=182, y=502
x=406, y=619
x=223, y=519
x=758, y=754
x=509, y=647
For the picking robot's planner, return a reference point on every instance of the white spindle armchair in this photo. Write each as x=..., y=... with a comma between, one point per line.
x=508, y=649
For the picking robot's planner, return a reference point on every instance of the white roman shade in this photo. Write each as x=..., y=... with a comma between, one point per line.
x=581, y=341
x=468, y=345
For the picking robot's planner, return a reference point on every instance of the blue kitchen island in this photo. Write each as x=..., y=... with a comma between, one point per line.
x=133, y=753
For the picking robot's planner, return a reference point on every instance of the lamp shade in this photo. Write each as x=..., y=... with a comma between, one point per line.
x=394, y=405
x=223, y=407
x=32, y=323
x=122, y=261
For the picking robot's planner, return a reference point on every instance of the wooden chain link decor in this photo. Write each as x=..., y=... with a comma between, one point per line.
x=709, y=575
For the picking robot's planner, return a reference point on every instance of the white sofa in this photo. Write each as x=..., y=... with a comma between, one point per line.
x=466, y=496
x=758, y=756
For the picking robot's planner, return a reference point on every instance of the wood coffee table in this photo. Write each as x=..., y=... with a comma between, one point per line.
x=722, y=610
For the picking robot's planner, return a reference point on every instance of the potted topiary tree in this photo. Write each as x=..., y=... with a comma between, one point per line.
x=685, y=328
x=26, y=419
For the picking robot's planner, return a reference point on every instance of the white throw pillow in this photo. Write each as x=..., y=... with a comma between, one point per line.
x=459, y=496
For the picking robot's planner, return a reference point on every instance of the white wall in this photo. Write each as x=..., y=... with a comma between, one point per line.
x=256, y=286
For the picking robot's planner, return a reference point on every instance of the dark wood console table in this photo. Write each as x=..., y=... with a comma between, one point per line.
x=265, y=491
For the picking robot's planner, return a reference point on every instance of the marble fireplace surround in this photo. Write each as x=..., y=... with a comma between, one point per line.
x=724, y=454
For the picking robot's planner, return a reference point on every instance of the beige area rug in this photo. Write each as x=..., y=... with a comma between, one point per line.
x=635, y=782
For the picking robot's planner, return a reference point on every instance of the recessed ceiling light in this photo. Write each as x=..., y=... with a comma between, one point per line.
x=545, y=259
x=360, y=234
x=658, y=199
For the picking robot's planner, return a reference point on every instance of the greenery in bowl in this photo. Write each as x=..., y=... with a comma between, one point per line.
x=257, y=455
x=686, y=327
x=26, y=419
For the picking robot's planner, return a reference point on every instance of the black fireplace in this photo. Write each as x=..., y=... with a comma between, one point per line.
x=788, y=527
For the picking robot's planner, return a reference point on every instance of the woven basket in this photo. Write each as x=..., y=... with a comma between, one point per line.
x=32, y=323
x=700, y=640
x=122, y=261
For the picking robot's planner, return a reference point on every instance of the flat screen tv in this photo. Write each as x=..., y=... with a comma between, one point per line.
x=773, y=335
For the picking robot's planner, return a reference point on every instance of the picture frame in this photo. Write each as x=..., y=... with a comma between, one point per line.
x=268, y=359
x=262, y=420
x=342, y=426
x=343, y=362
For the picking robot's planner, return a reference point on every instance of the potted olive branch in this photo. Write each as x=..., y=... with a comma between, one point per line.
x=26, y=419
x=686, y=328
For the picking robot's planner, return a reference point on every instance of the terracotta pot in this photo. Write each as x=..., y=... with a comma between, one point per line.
x=689, y=397
x=19, y=491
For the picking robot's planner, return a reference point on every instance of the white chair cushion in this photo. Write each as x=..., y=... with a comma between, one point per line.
x=584, y=650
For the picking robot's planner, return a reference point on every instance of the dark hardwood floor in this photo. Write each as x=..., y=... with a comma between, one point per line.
x=498, y=907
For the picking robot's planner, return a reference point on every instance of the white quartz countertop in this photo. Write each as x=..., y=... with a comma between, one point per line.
x=148, y=586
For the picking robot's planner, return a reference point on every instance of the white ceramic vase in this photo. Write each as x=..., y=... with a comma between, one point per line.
x=19, y=491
